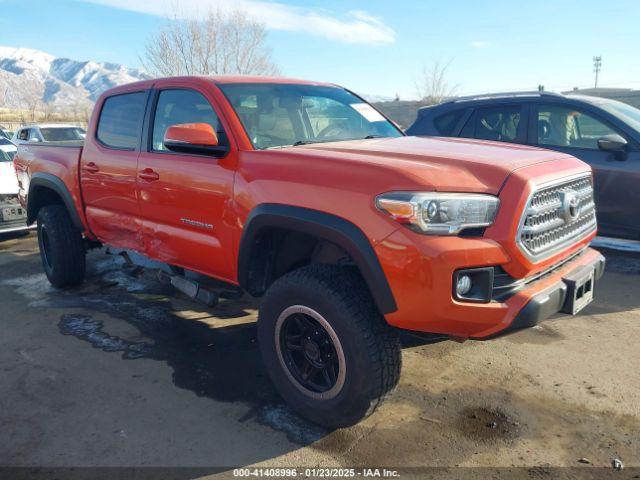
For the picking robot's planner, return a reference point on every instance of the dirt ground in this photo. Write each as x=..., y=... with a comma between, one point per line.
x=125, y=371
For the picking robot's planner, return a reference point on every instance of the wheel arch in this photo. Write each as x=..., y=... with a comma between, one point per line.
x=320, y=226
x=46, y=189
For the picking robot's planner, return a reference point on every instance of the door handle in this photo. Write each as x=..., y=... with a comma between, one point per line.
x=149, y=175
x=91, y=168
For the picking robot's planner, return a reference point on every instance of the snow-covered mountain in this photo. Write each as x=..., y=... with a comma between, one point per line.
x=28, y=76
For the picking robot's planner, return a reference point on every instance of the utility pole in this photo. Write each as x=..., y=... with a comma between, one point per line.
x=597, y=65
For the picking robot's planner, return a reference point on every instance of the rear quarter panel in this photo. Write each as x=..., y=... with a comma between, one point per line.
x=59, y=161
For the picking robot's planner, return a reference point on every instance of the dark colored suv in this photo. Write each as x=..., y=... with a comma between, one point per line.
x=602, y=132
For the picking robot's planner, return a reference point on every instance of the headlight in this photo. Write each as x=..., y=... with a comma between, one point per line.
x=437, y=213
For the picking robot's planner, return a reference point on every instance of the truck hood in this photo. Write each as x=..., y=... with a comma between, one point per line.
x=446, y=164
x=8, y=180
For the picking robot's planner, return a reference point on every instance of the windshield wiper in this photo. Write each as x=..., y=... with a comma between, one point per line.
x=303, y=142
x=368, y=137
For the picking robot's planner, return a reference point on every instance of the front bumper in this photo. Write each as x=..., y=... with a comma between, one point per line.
x=553, y=299
x=420, y=272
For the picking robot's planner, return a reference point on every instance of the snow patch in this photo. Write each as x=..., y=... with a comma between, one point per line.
x=33, y=287
x=298, y=430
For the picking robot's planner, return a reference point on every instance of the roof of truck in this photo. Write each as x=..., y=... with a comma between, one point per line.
x=218, y=79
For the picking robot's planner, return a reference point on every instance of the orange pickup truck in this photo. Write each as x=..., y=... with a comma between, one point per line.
x=307, y=196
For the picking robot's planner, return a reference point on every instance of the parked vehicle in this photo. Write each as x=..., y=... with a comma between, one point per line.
x=604, y=133
x=5, y=134
x=305, y=195
x=8, y=147
x=53, y=132
x=12, y=215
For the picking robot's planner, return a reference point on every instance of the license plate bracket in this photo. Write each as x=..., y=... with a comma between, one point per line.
x=13, y=212
x=580, y=287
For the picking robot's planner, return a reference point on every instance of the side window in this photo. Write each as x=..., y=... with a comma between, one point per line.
x=183, y=106
x=33, y=135
x=498, y=123
x=121, y=120
x=562, y=126
x=23, y=134
x=446, y=123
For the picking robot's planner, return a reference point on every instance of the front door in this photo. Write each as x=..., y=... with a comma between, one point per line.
x=185, y=199
x=616, y=177
x=108, y=171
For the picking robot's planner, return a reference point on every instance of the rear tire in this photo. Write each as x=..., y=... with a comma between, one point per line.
x=62, y=250
x=328, y=350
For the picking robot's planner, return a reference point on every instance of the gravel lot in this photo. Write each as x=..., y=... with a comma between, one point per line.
x=125, y=371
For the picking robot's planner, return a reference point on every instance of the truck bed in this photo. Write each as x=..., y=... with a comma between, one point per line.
x=59, y=160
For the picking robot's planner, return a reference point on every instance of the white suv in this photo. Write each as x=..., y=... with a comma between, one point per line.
x=12, y=216
x=54, y=132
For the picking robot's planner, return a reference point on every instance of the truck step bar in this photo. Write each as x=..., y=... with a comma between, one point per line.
x=194, y=290
x=177, y=277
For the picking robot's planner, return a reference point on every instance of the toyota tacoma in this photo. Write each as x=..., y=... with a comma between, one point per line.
x=307, y=196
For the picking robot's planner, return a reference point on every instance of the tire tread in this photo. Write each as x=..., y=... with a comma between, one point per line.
x=68, y=250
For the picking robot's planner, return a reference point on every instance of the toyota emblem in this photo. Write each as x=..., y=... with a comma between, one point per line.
x=570, y=208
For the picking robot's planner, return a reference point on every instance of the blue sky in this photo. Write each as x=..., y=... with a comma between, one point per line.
x=372, y=47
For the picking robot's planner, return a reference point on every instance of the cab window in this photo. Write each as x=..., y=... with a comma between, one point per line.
x=183, y=106
x=563, y=126
x=23, y=134
x=121, y=120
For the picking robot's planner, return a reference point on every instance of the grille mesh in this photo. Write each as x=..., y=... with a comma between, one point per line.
x=546, y=226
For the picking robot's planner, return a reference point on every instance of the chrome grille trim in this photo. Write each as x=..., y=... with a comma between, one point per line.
x=543, y=229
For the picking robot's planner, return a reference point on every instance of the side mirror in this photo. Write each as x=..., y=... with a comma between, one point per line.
x=613, y=143
x=198, y=138
x=34, y=140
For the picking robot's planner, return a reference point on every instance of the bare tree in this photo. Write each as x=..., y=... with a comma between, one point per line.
x=222, y=43
x=433, y=86
x=47, y=111
x=33, y=104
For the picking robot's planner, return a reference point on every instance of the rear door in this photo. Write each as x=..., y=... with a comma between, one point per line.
x=185, y=199
x=108, y=170
x=617, y=178
x=502, y=122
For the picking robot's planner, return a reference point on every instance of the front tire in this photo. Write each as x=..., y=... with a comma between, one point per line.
x=61, y=247
x=328, y=350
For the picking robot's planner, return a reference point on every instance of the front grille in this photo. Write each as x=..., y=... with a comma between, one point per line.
x=557, y=216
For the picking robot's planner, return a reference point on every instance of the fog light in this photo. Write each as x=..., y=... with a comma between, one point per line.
x=464, y=285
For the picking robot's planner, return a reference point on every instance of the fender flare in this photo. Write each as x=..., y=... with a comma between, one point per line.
x=51, y=182
x=322, y=225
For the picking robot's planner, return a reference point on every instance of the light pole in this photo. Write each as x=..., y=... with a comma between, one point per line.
x=597, y=65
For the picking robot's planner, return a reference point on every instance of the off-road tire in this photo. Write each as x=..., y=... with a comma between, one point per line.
x=371, y=347
x=62, y=249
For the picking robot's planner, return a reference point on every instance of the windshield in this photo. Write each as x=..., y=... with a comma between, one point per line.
x=6, y=156
x=276, y=115
x=4, y=141
x=61, y=134
x=628, y=114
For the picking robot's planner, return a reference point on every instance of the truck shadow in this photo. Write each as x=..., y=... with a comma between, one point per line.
x=208, y=356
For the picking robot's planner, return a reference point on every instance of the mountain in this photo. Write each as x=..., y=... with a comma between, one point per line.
x=31, y=77
x=372, y=98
